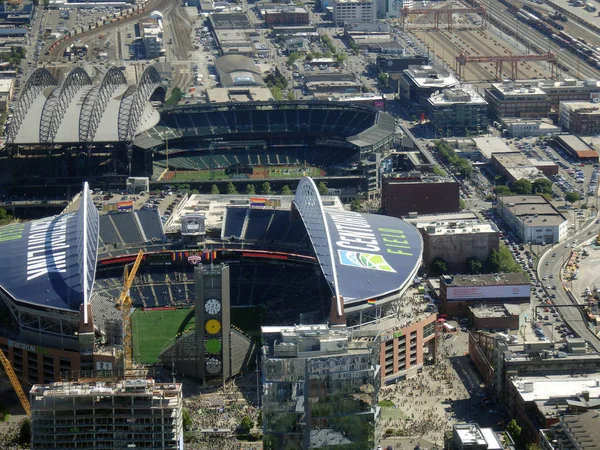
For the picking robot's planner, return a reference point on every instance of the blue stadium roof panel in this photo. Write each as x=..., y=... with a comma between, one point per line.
x=46, y=265
x=374, y=255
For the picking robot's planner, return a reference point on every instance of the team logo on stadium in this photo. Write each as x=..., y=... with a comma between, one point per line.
x=195, y=259
x=364, y=260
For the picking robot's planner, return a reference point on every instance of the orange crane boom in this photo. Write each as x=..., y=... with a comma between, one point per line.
x=15, y=383
x=124, y=304
x=514, y=60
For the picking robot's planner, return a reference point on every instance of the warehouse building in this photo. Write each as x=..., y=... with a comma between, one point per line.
x=286, y=15
x=416, y=192
x=459, y=292
x=582, y=148
x=511, y=99
x=516, y=166
x=582, y=117
x=533, y=219
x=455, y=238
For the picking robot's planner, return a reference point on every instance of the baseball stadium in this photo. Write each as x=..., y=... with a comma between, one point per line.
x=82, y=130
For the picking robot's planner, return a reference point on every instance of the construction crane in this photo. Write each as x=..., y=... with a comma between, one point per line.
x=514, y=60
x=124, y=304
x=15, y=383
x=439, y=13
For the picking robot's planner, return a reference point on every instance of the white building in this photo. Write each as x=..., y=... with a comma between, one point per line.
x=533, y=218
x=350, y=11
x=151, y=31
x=390, y=9
x=528, y=127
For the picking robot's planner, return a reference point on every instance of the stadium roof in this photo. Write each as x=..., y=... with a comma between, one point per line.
x=238, y=70
x=51, y=262
x=363, y=256
x=79, y=112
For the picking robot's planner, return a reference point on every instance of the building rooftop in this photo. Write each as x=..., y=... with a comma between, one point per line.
x=6, y=85
x=582, y=107
x=556, y=386
x=484, y=311
x=456, y=217
x=95, y=388
x=431, y=76
x=464, y=94
x=518, y=89
x=534, y=209
x=250, y=94
x=444, y=227
x=490, y=279
x=489, y=145
x=284, y=9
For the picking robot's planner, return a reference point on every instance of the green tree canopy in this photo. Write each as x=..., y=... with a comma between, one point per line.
x=285, y=190
x=572, y=196
x=5, y=218
x=522, y=187
x=474, y=265
x=230, y=189
x=502, y=190
x=322, y=188
x=439, y=266
x=246, y=424
x=214, y=189
x=250, y=189
x=542, y=186
x=502, y=260
x=25, y=433
x=187, y=420
x=265, y=188
x=355, y=205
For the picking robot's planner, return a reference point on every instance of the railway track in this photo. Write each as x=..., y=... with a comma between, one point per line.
x=503, y=20
x=56, y=54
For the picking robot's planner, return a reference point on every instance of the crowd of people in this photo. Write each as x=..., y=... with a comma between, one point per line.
x=424, y=402
x=217, y=413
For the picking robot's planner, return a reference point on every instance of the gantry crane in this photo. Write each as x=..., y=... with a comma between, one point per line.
x=462, y=59
x=124, y=304
x=439, y=13
x=15, y=383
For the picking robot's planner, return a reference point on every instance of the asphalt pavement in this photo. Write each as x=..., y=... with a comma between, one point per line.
x=556, y=257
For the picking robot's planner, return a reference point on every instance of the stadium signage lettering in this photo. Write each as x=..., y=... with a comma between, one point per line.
x=46, y=251
x=11, y=232
x=27, y=347
x=354, y=232
x=395, y=241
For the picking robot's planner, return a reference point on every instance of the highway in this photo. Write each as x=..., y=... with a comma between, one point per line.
x=579, y=68
x=572, y=316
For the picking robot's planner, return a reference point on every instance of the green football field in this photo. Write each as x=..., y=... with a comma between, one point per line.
x=153, y=330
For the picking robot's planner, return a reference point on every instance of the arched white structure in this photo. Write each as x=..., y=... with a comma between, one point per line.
x=308, y=203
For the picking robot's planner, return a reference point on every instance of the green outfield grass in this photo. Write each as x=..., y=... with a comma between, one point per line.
x=153, y=330
x=293, y=172
x=201, y=175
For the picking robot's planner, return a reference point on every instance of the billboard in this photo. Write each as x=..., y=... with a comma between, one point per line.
x=487, y=292
x=125, y=206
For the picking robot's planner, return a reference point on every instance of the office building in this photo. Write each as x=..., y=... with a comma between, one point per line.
x=286, y=15
x=499, y=317
x=581, y=117
x=6, y=92
x=519, y=128
x=351, y=11
x=151, y=31
x=569, y=89
x=390, y=9
x=418, y=83
x=533, y=219
x=511, y=99
x=416, y=192
x=320, y=388
x=107, y=415
x=458, y=111
x=459, y=292
x=455, y=238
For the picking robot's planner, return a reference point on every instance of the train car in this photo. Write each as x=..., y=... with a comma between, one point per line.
x=560, y=41
x=566, y=36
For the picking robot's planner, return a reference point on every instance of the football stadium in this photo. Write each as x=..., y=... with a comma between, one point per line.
x=105, y=130
x=288, y=257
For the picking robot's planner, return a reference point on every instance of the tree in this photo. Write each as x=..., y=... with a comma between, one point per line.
x=572, y=197
x=25, y=433
x=246, y=424
x=542, y=186
x=502, y=190
x=502, y=260
x=474, y=265
x=250, y=189
x=439, y=266
x=214, y=189
x=259, y=419
x=355, y=205
x=291, y=96
x=175, y=97
x=322, y=188
x=461, y=204
x=533, y=446
x=265, y=188
x=285, y=190
x=522, y=187
x=187, y=420
x=384, y=80
x=514, y=429
x=230, y=189
x=5, y=217
x=277, y=94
